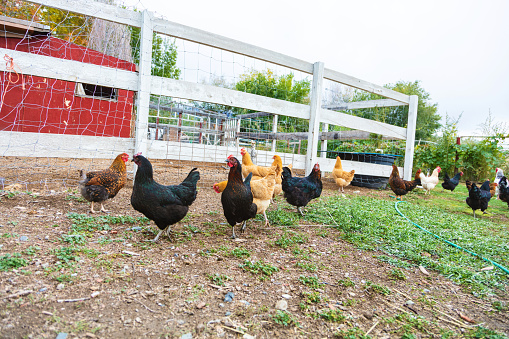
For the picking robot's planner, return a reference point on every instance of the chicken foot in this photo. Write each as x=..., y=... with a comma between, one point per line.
x=166, y=230
x=101, y=210
x=300, y=211
x=266, y=219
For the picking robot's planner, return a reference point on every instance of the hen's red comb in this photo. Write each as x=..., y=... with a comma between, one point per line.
x=139, y=153
x=230, y=156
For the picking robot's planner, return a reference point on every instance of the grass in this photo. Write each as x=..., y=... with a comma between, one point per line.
x=85, y=223
x=259, y=267
x=374, y=224
x=12, y=261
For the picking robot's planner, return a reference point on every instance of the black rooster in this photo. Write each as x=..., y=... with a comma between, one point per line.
x=450, y=184
x=478, y=197
x=300, y=191
x=503, y=190
x=237, y=199
x=166, y=205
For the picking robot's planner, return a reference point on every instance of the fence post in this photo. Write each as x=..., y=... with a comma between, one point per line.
x=274, y=130
x=144, y=74
x=325, y=128
x=314, y=118
x=410, y=136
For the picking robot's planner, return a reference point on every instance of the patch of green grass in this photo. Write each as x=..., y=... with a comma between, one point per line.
x=12, y=261
x=482, y=332
x=284, y=318
x=218, y=279
x=240, y=252
x=380, y=289
x=311, y=282
x=351, y=333
x=290, y=238
x=66, y=254
x=313, y=297
x=32, y=250
x=307, y=266
x=500, y=306
x=259, y=267
x=346, y=282
x=332, y=315
x=283, y=217
x=85, y=223
x=374, y=224
x=394, y=261
x=396, y=274
x=74, y=239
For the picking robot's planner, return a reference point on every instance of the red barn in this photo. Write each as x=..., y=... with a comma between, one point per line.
x=43, y=105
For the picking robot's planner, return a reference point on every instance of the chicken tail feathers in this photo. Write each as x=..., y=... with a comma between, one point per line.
x=189, y=185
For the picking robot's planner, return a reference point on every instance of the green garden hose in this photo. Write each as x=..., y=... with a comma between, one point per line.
x=448, y=242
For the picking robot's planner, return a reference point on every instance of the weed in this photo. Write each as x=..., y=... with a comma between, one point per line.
x=311, y=282
x=397, y=274
x=307, y=266
x=67, y=254
x=12, y=261
x=332, y=315
x=260, y=267
x=351, y=333
x=350, y=302
x=290, y=238
x=378, y=288
x=74, y=239
x=500, y=306
x=282, y=217
x=218, y=279
x=284, y=318
x=346, y=282
x=482, y=332
x=31, y=250
x=313, y=297
x=240, y=252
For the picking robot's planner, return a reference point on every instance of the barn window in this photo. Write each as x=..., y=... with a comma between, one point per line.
x=96, y=91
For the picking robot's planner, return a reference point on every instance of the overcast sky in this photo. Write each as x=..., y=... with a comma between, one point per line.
x=459, y=50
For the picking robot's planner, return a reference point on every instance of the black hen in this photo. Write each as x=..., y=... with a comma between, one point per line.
x=503, y=190
x=237, y=199
x=166, y=205
x=300, y=191
x=450, y=184
x=478, y=197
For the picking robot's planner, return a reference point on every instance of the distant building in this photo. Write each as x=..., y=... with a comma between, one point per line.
x=45, y=105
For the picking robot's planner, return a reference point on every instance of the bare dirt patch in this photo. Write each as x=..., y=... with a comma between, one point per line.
x=124, y=286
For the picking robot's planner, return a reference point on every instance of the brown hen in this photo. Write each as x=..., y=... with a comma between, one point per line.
x=401, y=187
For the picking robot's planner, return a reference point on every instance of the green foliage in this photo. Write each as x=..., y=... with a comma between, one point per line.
x=428, y=119
x=32, y=250
x=346, y=282
x=476, y=158
x=484, y=333
x=313, y=297
x=12, y=261
x=307, y=266
x=74, y=239
x=284, y=318
x=380, y=289
x=332, y=315
x=85, y=223
x=351, y=333
x=240, y=252
x=218, y=279
x=164, y=54
x=289, y=239
x=259, y=267
x=397, y=274
x=311, y=282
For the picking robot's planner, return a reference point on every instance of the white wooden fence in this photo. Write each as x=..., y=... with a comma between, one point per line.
x=145, y=85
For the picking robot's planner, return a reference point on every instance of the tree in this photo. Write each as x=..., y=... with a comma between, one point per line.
x=428, y=120
x=164, y=54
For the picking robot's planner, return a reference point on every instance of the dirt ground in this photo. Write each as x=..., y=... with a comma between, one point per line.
x=126, y=287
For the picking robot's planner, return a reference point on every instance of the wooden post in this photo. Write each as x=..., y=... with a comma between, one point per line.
x=314, y=119
x=144, y=79
x=325, y=128
x=410, y=136
x=274, y=130
x=179, y=124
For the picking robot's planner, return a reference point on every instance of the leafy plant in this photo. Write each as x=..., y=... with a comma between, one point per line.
x=240, y=252
x=219, y=279
x=284, y=318
x=397, y=274
x=12, y=261
x=310, y=282
x=259, y=267
x=332, y=315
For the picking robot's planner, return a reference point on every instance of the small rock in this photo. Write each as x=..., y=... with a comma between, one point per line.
x=138, y=319
x=60, y=286
x=181, y=322
x=95, y=294
x=423, y=270
x=136, y=228
x=200, y=328
x=425, y=290
x=246, y=303
x=281, y=305
x=286, y=296
x=200, y=305
x=23, y=238
x=90, y=335
x=229, y=297
x=61, y=335
x=409, y=303
x=221, y=305
x=368, y=315
x=44, y=289
x=228, y=313
x=187, y=336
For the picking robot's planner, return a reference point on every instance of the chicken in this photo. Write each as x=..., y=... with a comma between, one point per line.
x=429, y=182
x=300, y=191
x=478, y=198
x=249, y=167
x=237, y=199
x=278, y=163
x=98, y=186
x=450, y=184
x=493, y=187
x=401, y=187
x=503, y=190
x=498, y=175
x=342, y=178
x=262, y=189
x=165, y=205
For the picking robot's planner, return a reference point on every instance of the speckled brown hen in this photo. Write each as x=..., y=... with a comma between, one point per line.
x=98, y=186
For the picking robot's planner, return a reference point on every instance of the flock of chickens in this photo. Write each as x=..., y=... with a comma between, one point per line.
x=250, y=189
x=478, y=196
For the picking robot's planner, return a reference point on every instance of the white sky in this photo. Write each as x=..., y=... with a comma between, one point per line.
x=459, y=50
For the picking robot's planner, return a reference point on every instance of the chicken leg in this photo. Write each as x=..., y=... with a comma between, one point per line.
x=166, y=230
x=300, y=211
